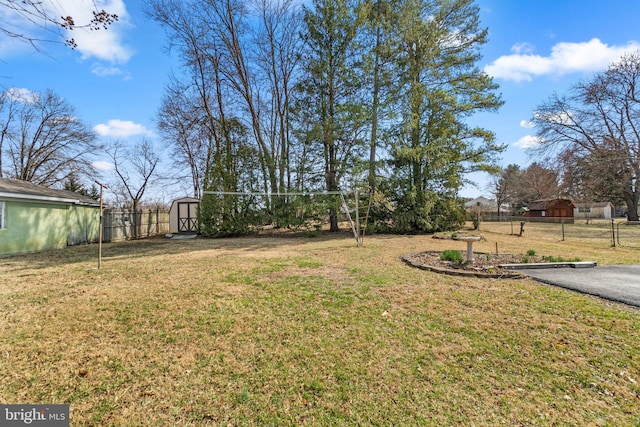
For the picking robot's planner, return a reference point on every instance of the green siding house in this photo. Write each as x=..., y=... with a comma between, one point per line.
x=35, y=218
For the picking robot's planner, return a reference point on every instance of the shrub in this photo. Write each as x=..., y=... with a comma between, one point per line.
x=451, y=255
x=560, y=259
x=531, y=252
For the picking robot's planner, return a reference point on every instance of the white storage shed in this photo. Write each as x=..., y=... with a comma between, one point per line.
x=183, y=215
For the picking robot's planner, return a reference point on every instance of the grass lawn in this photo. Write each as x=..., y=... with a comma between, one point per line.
x=313, y=331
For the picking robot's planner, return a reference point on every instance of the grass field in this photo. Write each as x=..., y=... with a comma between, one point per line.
x=313, y=331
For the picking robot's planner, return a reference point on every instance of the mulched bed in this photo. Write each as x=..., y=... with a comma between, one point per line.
x=484, y=265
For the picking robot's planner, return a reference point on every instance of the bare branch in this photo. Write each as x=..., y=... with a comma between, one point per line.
x=50, y=20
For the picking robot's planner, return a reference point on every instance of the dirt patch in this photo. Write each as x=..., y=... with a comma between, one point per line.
x=484, y=264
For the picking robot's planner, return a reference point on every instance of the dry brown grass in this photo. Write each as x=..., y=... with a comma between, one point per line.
x=290, y=331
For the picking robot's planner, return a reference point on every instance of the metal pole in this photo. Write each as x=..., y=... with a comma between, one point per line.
x=100, y=238
x=102, y=186
x=358, y=239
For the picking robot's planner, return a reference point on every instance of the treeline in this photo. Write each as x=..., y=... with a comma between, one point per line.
x=374, y=95
x=587, y=144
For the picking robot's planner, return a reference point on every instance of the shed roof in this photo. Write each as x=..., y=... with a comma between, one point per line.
x=593, y=204
x=543, y=204
x=18, y=189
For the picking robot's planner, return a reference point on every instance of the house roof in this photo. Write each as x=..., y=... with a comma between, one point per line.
x=481, y=200
x=18, y=189
x=593, y=204
x=487, y=204
x=543, y=204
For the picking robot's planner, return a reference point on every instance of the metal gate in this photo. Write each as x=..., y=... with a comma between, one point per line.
x=188, y=217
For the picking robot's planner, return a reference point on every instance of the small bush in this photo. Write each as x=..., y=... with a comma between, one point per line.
x=560, y=259
x=525, y=259
x=451, y=255
x=531, y=252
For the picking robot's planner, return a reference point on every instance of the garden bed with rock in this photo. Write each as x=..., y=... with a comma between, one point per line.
x=483, y=265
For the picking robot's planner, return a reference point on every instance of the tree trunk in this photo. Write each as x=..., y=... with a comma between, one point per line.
x=374, y=115
x=631, y=199
x=135, y=220
x=333, y=213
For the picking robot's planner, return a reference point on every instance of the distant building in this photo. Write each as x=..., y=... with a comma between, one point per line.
x=481, y=205
x=555, y=209
x=594, y=210
x=35, y=218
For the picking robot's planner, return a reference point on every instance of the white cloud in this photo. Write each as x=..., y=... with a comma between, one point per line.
x=529, y=141
x=565, y=58
x=102, y=44
x=109, y=71
x=101, y=165
x=22, y=95
x=121, y=129
x=559, y=118
x=526, y=124
x=522, y=48
x=106, y=45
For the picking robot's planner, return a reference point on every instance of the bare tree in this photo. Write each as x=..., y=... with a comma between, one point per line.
x=7, y=113
x=47, y=16
x=197, y=112
x=180, y=124
x=538, y=182
x=504, y=186
x=45, y=140
x=598, y=125
x=134, y=167
x=595, y=178
x=240, y=58
x=278, y=44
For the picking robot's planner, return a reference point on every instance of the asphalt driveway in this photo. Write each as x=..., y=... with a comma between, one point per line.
x=620, y=283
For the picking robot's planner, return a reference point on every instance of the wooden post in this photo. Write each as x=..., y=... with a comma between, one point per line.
x=613, y=234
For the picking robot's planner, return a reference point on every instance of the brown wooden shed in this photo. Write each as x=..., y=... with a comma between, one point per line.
x=559, y=209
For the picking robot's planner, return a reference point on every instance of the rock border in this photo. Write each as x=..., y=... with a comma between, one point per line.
x=408, y=259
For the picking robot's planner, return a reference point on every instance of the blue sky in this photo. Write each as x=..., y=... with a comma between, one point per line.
x=116, y=78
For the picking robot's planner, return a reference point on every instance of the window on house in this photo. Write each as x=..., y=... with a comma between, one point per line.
x=2, y=215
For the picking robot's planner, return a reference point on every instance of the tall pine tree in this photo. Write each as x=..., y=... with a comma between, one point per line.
x=332, y=86
x=433, y=146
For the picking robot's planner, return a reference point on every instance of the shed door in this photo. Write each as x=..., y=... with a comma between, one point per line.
x=187, y=217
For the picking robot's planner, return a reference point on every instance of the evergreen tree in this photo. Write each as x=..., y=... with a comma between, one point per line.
x=332, y=87
x=433, y=146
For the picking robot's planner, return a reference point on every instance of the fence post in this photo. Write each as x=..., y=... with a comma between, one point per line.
x=562, y=229
x=613, y=234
